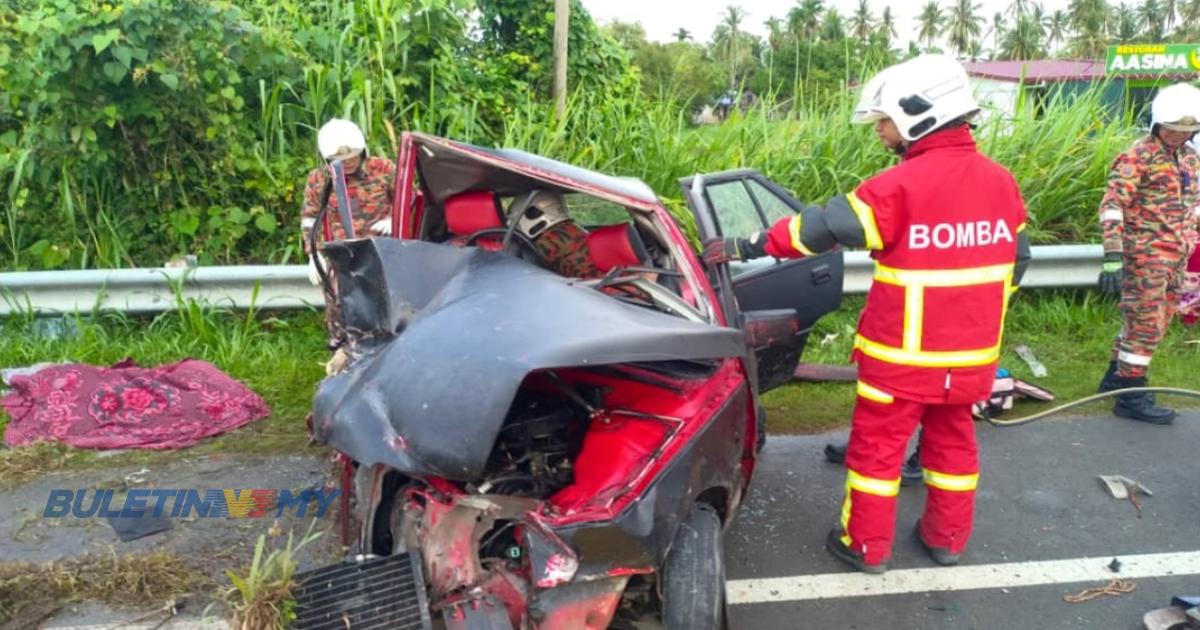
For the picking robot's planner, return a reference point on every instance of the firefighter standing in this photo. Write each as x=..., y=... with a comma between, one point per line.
x=945, y=228
x=1149, y=216
x=370, y=182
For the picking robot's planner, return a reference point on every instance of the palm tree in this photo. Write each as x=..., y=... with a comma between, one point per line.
x=1040, y=17
x=726, y=40
x=682, y=35
x=1151, y=17
x=1089, y=21
x=775, y=34
x=963, y=24
x=1189, y=16
x=1018, y=8
x=1057, y=29
x=887, y=27
x=1125, y=24
x=862, y=22
x=1169, y=7
x=804, y=19
x=833, y=28
x=1024, y=41
x=930, y=23
x=997, y=31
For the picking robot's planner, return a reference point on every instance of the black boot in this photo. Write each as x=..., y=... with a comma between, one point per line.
x=836, y=453
x=911, y=473
x=1138, y=406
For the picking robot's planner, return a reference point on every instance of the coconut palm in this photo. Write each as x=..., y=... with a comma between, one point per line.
x=1169, y=7
x=1189, y=17
x=682, y=35
x=862, y=22
x=1024, y=41
x=996, y=30
x=1057, y=27
x=930, y=22
x=887, y=26
x=804, y=19
x=775, y=35
x=727, y=41
x=962, y=25
x=1089, y=21
x=1018, y=8
x=1152, y=18
x=833, y=28
x=1126, y=24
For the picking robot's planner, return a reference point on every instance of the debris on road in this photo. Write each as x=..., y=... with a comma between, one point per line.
x=135, y=527
x=1114, y=566
x=1115, y=588
x=1168, y=618
x=1035, y=366
x=1119, y=486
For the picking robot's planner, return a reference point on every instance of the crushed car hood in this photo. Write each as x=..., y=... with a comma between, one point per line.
x=447, y=335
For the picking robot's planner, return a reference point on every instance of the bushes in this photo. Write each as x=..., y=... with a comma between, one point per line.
x=135, y=130
x=131, y=119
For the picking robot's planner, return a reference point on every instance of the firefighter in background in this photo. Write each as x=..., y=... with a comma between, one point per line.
x=1149, y=217
x=946, y=230
x=370, y=182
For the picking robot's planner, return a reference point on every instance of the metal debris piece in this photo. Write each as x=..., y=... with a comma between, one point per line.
x=1035, y=366
x=1118, y=486
x=1114, y=566
x=1164, y=618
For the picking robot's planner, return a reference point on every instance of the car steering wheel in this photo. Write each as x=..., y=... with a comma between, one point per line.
x=526, y=249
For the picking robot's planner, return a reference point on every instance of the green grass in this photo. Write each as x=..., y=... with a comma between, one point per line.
x=1070, y=332
x=281, y=357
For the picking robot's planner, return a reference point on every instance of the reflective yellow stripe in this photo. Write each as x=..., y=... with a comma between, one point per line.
x=943, y=277
x=1021, y=228
x=900, y=356
x=952, y=483
x=870, y=485
x=871, y=393
x=866, y=217
x=846, y=515
x=794, y=227
x=914, y=317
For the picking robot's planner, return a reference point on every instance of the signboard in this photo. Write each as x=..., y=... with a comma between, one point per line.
x=1143, y=59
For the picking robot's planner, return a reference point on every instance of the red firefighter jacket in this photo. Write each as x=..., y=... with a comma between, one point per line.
x=943, y=228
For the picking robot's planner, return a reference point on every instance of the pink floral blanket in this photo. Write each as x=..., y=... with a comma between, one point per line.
x=126, y=406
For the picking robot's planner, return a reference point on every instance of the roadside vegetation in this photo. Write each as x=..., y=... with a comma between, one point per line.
x=135, y=131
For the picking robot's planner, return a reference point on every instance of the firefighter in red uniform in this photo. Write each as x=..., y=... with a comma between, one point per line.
x=946, y=230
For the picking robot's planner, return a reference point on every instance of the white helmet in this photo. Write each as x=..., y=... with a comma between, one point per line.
x=920, y=95
x=1176, y=107
x=340, y=138
x=545, y=211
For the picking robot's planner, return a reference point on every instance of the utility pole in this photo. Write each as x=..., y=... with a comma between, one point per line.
x=562, y=20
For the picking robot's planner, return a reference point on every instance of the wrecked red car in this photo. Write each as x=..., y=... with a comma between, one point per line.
x=550, y=409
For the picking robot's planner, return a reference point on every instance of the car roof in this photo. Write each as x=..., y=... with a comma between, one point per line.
x=449, y=167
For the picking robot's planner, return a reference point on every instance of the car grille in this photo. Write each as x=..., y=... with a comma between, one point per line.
x=387, y=592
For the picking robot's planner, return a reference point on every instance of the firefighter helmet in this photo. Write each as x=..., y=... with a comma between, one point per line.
x=920, y=95
x=340, y=138
x=1177, y=108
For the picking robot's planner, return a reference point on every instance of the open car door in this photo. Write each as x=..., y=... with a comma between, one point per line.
x=775, y=301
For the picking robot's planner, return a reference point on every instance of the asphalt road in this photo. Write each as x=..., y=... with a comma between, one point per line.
x=1039, y=502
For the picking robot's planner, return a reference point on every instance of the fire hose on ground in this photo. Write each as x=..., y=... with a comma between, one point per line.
x=1174, y=391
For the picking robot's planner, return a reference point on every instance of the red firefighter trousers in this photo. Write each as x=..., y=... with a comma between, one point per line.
x=879, y=435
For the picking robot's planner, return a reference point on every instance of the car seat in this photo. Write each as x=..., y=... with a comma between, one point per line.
x=468, y=213
x=619, y=245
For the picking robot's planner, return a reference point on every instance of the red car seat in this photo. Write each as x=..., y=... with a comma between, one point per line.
x=617, y=245
x=469, y=212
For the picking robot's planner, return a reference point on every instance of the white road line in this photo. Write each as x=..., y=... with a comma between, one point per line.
x=961, y=578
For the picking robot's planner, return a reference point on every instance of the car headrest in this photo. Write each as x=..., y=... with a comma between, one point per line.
x=617, y=245
x=469, y=212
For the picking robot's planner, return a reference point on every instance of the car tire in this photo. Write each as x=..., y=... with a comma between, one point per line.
x=693, y=589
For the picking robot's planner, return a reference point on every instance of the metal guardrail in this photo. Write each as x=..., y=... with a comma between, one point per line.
x=287, y=287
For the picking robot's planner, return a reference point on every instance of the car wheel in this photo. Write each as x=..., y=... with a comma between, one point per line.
x=693, y=589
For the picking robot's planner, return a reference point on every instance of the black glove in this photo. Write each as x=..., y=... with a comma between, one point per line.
x=722, y=250
x=1110, y=277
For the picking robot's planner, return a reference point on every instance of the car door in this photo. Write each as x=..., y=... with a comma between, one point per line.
x=776, y=301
